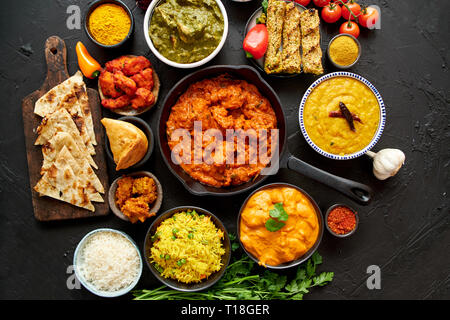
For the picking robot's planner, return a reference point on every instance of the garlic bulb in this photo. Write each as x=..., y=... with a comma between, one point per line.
x=386, y=162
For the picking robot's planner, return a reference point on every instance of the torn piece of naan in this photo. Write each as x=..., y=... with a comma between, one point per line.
x=65, y=157
x=61, y=121
x=75, y=85
x=53, y=147
x=82, y=95
x=71, y=104
x=61, y=183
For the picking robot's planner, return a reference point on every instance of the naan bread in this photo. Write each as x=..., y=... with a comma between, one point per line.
x=61, y=183
x=71, y=104
x=72, y=87
x=61, y=121
x=128, y=143
x=81, y=92
x=53, y=147
x=81, y=173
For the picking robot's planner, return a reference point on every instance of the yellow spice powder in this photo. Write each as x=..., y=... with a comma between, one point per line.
x=109, y=24
x=344, y=51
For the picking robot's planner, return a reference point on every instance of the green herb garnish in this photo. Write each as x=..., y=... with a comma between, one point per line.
x=264, y=5
x=155, y=237
x=244, y=281
x=159, y=268
x=278, y=216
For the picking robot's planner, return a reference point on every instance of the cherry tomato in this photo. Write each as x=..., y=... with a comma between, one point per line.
x=303, y=2
x=331, y=13
x=350, y=27
x=354, y=7
x=256, y=41
x=369, y=17
x=321, y=3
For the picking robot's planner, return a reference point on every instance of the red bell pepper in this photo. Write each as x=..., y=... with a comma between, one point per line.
x=256, y=41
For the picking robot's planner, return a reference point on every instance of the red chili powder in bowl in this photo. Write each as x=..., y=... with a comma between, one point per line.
x=341, y=220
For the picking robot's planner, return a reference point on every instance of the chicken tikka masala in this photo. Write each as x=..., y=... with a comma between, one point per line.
x=223, y=103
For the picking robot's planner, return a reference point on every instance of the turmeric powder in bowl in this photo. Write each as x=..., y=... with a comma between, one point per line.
x=344, y=51
x=109, y=23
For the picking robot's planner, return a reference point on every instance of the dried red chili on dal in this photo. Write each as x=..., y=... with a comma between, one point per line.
x=341, y=220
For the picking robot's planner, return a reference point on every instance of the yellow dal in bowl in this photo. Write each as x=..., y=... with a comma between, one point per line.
x=333, y=135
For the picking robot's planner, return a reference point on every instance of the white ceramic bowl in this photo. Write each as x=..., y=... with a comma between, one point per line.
x=88, y=286
x=377, y=134
x=148, y=15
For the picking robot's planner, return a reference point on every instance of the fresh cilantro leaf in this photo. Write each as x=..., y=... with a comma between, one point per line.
x=316, y=258
x=278, y=212
x=242, y=282
x=274, y=282
x=301, y=274
x=310, y=268
x=231, y=236
x=304, y=285
x=234, y=246
x=298, y=296
x=264, y=5
x=323, y=278
x=273, y=225
x=278, y=215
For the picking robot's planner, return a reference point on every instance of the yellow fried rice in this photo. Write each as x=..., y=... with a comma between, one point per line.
x=187, y=247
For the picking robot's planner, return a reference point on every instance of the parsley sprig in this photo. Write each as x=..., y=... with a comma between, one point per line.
x=243, y=281
x=278, y=218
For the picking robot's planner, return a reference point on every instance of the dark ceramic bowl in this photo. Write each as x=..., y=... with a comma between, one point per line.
x=92, y=7
x=310, y=252
x=334, y=233
x=112, y=194
x=174, y=284
x=144, y=126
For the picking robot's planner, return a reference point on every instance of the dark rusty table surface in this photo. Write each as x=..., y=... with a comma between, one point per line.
x=405, y=230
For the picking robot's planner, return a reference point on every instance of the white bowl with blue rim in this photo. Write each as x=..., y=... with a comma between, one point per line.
x=381, y=123
x=77, y=260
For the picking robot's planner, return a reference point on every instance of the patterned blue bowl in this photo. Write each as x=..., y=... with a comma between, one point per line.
x=381, y=124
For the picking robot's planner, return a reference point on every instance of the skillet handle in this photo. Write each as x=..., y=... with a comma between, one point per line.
x=356, y=191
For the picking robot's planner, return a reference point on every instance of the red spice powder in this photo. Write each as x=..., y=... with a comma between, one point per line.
x=341, y=220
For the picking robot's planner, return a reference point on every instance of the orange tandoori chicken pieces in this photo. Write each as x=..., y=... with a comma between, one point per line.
x=135, y=65
x=127, y=81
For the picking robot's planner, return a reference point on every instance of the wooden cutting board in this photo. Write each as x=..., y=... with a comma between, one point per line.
x=46, y=208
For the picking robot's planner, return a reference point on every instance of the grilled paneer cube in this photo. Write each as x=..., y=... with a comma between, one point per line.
x=275, y=20
x=311, y=51
x=291, y=59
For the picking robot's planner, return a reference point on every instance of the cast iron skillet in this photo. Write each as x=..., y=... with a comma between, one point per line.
x=354, y=190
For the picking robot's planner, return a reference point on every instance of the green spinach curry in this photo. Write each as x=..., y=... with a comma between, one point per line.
x=186, y=31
